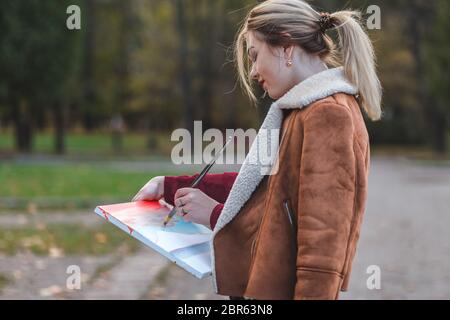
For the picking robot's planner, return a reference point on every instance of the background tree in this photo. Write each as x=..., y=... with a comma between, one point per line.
x=36, y=52
x=437, y=65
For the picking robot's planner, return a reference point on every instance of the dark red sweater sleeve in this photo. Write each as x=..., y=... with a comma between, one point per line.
x=216, y=186
x=215, y=215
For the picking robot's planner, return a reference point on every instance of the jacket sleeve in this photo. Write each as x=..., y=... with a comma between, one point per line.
x=325, y=201
x=215, y=215
x=216, y=186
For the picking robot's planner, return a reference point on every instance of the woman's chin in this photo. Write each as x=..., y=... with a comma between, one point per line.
x=269, y=93
x=273, y=95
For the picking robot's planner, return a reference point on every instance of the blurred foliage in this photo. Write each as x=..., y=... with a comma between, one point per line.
x=4, y=281
x=37, y=63
x=128, y=65
x=97, y=144
x=67, y=239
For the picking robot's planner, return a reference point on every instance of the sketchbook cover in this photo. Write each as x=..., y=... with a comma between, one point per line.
x=185, y=243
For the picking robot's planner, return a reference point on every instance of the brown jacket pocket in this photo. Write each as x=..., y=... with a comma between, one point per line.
x=292, y=218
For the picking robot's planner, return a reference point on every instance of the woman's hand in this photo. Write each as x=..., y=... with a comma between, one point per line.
x=152, y=190
x=194, y=205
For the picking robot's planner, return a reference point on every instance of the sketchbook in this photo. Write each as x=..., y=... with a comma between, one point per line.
x=184, y=243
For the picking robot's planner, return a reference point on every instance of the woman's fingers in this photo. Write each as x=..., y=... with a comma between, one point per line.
x=181, y=212
x=194, y=205
x=137, y=196
x=140, y=193
x=183, y=192
x=148, y=192
x=182, y=201
x=184, y=205
x=152, y=190
x=163, y=202
x=184, y=212
x=187, y=218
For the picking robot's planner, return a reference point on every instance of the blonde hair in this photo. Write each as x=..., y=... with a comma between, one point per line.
x=272, y=19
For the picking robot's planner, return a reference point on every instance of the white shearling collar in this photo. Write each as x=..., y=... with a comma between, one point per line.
x=316, y=87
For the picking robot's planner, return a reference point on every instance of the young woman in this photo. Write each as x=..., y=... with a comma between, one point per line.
x=292, y=234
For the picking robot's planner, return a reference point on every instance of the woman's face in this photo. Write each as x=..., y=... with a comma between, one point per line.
x=269, y=65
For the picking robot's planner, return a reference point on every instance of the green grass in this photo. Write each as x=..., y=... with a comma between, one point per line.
x=80, y=180
x=68, y=239
x=95, y=144
x=4, y=281
x=67, y=185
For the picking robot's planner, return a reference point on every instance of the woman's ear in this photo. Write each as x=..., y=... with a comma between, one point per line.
x=288, y=52
x=287, y=49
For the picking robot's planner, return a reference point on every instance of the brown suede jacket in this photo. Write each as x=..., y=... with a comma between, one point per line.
x=293, y=234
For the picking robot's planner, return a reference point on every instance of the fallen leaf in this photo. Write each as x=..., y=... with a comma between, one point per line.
x=101, y=237
x=50, y=291
x=55, y=252
x=32, y=208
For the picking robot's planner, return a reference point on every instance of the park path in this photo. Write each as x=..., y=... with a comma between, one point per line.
x=17, y=220
x=405, y=232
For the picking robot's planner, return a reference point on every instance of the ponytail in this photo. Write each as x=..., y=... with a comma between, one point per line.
x=359, y=60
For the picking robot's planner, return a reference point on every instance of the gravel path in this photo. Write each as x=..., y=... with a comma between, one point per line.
x=127, y=280
x=20, y=220
x=405, y=233
x=34, y=277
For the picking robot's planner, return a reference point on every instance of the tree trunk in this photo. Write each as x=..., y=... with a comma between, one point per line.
x=419, y=20
x=59, y=119
x=122, y=71
x=440, y=133
x=22, y=126
x=184, y=72
x=88, y=67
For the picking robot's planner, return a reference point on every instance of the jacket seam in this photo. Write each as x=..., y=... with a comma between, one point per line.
x=359, y=144
x=352, y=223
x=261, y=225
x=335, y=103
x=319, y=270
x=344, y=266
